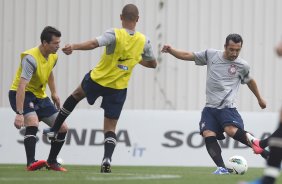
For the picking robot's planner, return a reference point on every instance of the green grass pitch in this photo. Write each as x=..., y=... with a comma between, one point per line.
x=15, y=174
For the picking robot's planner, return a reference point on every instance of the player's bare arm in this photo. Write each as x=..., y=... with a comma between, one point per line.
x=52, y=87
x=19, y=119
x=183, y=55
x=149, y=64
x=88, y=45
x=253, y=87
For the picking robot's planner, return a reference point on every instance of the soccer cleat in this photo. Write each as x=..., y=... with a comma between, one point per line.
x=36, y=165
x=221, y=171
x=250, y=138
x=52, y=135
x=55, y=167
x=106, y=166
x=254, y=143
x=256, y=147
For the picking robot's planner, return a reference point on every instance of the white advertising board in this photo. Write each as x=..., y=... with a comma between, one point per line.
x=164, y=138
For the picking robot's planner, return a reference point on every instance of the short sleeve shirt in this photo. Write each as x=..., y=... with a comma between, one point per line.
x=108, y=39
x=223, y=77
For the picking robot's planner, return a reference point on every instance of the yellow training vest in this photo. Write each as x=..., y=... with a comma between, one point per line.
x=39, y=79
x=114, y=70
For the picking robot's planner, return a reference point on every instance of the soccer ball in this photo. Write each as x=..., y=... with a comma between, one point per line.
x=60, y=160
x=237, y=164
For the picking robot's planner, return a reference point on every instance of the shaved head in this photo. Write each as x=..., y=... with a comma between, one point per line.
x=130, y=12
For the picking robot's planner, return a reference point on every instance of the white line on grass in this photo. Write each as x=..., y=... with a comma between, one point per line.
x=132, y=177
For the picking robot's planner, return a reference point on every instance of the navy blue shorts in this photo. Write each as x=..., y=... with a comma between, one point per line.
x=216, y=119
x=113, y=99
x=44, y=108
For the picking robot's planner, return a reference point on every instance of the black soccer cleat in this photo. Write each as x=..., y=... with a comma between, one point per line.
x=106, y=166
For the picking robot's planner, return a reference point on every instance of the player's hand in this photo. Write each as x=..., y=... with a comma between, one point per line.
x=280, y=115
x=262, y=103
x=166, y=48
x=279, y=49
x=56, y=100
x=67, y=49
x=19, y=121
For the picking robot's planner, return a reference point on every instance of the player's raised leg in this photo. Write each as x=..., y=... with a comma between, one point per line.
x=65, y=111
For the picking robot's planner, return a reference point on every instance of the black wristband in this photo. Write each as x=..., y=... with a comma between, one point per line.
x=19, y=112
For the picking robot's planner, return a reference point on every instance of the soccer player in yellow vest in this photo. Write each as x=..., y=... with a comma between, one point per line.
x=125, y=48
x=30, y=102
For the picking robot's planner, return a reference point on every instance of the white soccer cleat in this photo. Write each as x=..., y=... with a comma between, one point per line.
x=254, y=142
x=250, y=138
x=221, y=171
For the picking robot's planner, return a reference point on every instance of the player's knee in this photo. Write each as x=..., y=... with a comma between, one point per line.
x=64, y=128
x=31, y=120
x=208, y=133
x=78, y=94
x=230, y=130
x=31, y=123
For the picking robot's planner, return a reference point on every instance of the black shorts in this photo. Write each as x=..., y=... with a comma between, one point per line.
x=44, y=108
x=216, y=119
x=113, y=99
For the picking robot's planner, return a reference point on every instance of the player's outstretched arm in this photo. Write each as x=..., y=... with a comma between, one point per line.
x=253, y=87
x=279, y=49
x=88, y=45
x=149, y=64
x=183, y=55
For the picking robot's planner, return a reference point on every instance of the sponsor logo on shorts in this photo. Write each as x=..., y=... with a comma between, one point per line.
x=203, y=124
x=31, y=105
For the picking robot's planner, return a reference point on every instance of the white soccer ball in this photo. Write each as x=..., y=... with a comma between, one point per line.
x=60, y=160
x=238, y=164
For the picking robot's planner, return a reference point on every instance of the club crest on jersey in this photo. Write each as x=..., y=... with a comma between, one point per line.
x=123, y=67
x=232, y=69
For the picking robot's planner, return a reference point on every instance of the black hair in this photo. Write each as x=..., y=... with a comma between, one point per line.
x=236, y=38
x=48, y=32
x=130, y=12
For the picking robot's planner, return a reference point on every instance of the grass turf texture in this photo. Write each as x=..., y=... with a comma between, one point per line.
x=14, y=174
